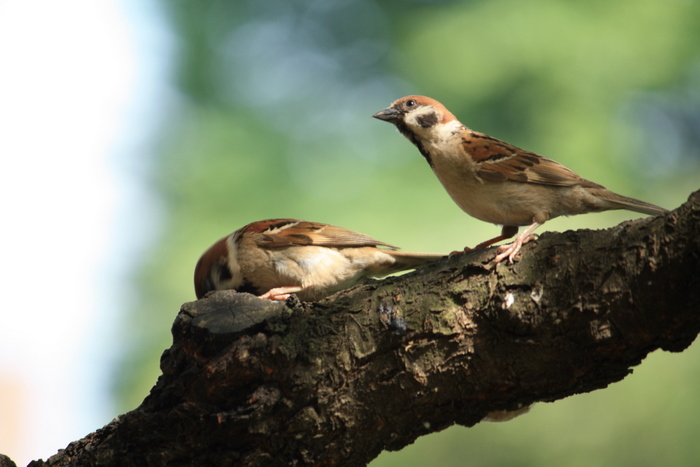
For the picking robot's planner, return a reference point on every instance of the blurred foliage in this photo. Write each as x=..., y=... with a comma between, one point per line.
x=273, y=119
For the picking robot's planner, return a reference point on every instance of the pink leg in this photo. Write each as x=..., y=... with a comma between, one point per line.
x=506, y=232
x=512, y=249
x=280, y=293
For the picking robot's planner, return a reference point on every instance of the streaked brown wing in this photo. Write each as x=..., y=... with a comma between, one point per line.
x=287, y=232
x=498, y=161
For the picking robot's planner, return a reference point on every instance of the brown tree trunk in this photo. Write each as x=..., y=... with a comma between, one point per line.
x=256, y=383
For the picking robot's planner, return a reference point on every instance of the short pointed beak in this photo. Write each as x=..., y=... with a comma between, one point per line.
x=388, y=114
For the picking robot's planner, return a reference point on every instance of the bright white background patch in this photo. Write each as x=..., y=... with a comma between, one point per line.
x=74, y=105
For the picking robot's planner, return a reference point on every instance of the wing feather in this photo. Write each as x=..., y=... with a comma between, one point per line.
x=498, y=161
x=288, y=232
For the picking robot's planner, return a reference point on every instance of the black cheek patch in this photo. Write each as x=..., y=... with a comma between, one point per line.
x=427, y=120
x=224, y=272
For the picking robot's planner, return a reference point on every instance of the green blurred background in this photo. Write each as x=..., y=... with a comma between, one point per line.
x=273, y=119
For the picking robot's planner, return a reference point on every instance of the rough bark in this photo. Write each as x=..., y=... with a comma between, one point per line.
x=255, y=383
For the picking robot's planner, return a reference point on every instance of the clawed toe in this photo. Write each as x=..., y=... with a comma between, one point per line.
x=512, y=250
x=460, y=252
x=280, y=294
x=509, y=251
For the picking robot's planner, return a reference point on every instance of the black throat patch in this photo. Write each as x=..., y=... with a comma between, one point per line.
x=404, y=130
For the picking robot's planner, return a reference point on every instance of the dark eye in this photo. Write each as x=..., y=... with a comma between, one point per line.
x=410, y=103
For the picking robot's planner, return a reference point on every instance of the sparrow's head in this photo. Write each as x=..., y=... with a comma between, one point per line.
x=218, y=267
x=416, y=113
x=420, y=119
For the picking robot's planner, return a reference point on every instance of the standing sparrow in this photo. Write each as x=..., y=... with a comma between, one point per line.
x=495, y=181
x=278, y=257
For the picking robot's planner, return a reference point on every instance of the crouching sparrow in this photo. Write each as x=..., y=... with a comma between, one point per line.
x=278, y=257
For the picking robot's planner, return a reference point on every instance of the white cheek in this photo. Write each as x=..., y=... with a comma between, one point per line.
x=237, y=280
x=412, y=121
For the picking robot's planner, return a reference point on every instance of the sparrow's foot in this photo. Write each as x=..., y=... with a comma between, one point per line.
x=511, y=250
x=280, y=294
x=461, y=252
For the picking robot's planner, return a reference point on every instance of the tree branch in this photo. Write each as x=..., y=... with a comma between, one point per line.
x=256, y=383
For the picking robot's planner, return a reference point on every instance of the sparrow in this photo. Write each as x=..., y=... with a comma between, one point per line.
x=278, y=257
x=495, y=181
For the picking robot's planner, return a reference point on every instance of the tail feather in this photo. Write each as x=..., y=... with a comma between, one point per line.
x=632, y=204
x=412, y=260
